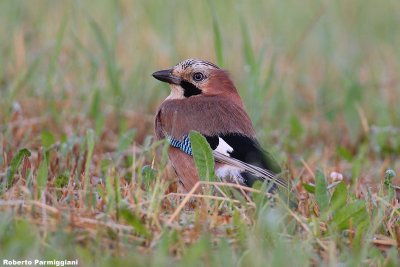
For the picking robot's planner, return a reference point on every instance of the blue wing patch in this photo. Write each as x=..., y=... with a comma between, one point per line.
x=184, y=144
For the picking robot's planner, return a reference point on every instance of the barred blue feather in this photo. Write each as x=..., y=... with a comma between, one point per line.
x=183, y=144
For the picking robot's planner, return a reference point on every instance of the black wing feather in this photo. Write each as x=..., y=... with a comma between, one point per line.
x=247, y=150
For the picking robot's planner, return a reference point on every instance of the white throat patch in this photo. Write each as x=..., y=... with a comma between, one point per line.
x=176, y=92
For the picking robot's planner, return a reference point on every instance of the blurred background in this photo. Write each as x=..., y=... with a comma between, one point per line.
x=319, y=78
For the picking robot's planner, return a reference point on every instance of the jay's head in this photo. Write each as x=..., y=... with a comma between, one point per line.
x=197, y=78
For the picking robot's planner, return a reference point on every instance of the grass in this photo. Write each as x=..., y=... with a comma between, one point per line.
x=83, y=178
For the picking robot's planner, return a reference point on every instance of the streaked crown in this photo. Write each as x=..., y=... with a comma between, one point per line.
x=195, y=63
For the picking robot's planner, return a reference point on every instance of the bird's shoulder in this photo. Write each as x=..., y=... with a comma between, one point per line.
x=209, y=115
x=199, y=103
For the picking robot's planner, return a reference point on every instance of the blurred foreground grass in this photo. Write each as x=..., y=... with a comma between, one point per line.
x=320, y=81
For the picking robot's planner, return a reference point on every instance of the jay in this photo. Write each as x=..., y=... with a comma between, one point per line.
x=203, y=98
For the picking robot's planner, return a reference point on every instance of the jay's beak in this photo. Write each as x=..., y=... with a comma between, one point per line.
x=166, y=76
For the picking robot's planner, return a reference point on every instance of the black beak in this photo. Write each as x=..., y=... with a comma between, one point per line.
x=166, y=76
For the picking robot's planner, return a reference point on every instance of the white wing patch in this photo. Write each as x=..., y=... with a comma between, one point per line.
x=225, y=172
x=223, y=147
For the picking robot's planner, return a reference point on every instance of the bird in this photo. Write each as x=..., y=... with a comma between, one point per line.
x=203, y=98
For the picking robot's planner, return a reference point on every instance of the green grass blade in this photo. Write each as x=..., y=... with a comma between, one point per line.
x=109, y=57
x=90, y=141
x=43, y=174
x=218, y=46
x=55, y=56
x=15, y=163
x=321, y=191
x=247, y=47
x=203, y=156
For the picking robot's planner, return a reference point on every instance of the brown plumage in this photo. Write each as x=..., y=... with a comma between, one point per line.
x=209, y=115
x=184, y=167
x=203, y=98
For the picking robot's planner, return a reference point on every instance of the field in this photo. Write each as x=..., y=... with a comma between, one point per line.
x=82, y=177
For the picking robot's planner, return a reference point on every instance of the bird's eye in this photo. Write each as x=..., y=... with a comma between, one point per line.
x=198, y=76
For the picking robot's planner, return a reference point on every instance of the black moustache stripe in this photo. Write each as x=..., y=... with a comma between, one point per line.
x=189, y=89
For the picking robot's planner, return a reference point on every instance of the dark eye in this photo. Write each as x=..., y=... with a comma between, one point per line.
x=198, y=76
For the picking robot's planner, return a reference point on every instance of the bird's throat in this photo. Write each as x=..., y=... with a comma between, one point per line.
x=176, y=92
